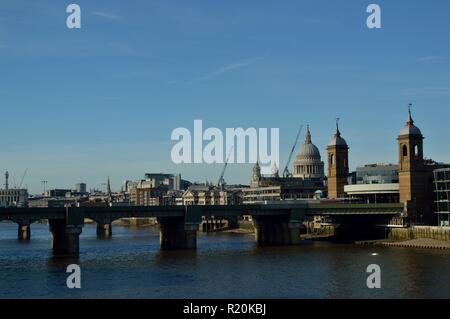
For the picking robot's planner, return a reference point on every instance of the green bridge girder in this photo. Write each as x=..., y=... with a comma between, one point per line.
x=195, y=213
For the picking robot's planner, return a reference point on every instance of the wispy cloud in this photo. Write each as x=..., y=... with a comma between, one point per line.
x=309, y=21
x=433, y=59
x=437, y=90
x=81, y=50
x=218, y=72
x=108, y=16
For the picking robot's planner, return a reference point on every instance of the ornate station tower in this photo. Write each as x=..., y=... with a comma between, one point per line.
x=337, y=165
x=413, y=175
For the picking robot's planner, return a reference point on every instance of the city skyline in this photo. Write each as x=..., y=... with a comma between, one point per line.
x=104, y=184
x=81, y=105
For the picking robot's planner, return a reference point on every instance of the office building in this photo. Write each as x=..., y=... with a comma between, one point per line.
x=374, y=184
x=81, y=188
x=442, y=190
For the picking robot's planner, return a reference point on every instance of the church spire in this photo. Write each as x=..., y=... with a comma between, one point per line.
x=108, y=187
x=257, y=171
x=308, y=135
x=338, y=133
x=275, y=170
x=6, y=180
x=410, y=121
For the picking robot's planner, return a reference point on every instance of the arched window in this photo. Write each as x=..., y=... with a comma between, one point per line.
x=416, y=151
x=332, y=159
x=405, y=151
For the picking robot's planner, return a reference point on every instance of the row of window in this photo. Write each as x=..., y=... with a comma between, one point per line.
x=11, y=193
x=309, y=169
x=443, y=186
x=442, y=176
x=11, y=199
x=415, y=151
x=332, y=161
x=443, y=207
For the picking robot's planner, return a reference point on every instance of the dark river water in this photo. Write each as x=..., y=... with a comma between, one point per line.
x=130, y=265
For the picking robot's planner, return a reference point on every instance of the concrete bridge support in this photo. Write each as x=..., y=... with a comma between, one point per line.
x=24, y=231
x=65, y=238
x=294, y=229
x=176, y=234
x=104, y=231
x=276, y=231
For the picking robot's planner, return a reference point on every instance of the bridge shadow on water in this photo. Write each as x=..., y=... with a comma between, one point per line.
x=165, y=258
x=60, y=263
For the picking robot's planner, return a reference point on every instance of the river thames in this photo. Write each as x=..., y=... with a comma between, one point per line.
x=131, y=265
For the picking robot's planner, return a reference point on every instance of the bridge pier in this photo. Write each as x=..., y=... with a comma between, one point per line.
x=294, y=228
x=276, y=231
x=176, y=234
x=65, y=238
x=24, y=231
x=104, y=231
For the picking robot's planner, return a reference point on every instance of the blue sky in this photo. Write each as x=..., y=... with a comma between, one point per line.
x=79, y=105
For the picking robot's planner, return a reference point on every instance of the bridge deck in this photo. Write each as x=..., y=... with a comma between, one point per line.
x=196, y=212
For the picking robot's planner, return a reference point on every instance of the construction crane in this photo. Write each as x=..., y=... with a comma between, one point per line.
x=44, y=183
x=221, y=182
x=286, y=172
x=14, y=181
x=23, y=177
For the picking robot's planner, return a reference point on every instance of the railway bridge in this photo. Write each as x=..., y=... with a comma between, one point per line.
x=275, y=224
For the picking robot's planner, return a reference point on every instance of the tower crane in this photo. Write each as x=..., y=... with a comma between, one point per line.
x=221, y=182
x=286, y=172
x=23, y=177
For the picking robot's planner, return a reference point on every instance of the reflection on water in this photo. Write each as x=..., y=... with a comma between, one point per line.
x=130, y=265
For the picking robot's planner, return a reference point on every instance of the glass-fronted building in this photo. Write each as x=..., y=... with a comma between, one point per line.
x=442, y=190
x=377, y=174
x=374, y=184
